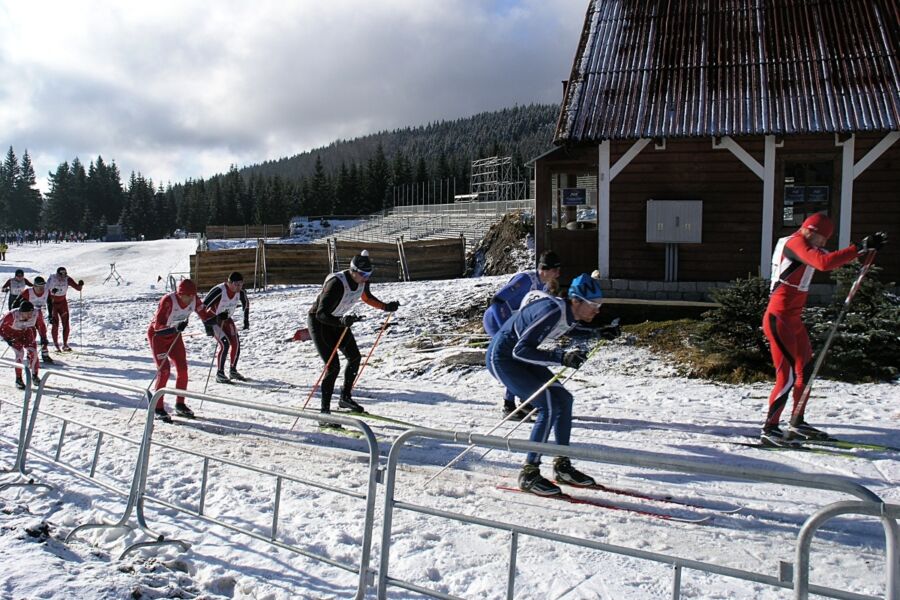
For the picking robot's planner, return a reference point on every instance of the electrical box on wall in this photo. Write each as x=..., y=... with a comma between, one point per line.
x=674, y=221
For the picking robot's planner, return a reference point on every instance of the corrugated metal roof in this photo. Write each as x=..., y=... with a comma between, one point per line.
x=676, y=68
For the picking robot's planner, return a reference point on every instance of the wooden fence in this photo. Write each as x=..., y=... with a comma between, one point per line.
x=229, y=232
x=289, y=264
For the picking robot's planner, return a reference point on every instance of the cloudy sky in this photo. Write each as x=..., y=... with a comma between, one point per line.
x=179, y=89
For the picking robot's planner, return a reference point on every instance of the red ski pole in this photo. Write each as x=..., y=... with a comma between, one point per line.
x=322, y=374
x=369, y=355
x=800, y=406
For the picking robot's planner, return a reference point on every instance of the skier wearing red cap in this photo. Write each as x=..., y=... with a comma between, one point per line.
x=796, y=259
x=164, y=335
x=17, y=330
x=59, y=283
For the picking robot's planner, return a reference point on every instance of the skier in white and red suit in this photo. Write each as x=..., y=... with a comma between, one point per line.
x=223, y=300
x=38, y=296
x=59, y=283
x=164, y=335
x=15, y=286
x=17, y=330
x=794, y=262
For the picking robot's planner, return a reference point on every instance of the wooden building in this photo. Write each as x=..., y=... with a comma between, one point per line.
x=695, y=133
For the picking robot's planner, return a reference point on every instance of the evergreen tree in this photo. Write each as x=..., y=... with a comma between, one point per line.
x=27, y=196
x=57, y=197
x=9, y=175
x=378, y=182
x=320, y=199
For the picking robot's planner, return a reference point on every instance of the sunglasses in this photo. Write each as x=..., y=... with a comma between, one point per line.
x=363, y=274
x=594, y=305
x=549, y=268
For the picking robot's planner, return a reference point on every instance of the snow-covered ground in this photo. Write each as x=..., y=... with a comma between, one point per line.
x=625, y=398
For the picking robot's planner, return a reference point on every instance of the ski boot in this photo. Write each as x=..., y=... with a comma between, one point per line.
x=805, y=431
x=531, y=481
x=350, y=404
x=517, y=413
x=564, y=472
x=233, y=373
x=162, y=415
x=45, y=358
x=66, y=348
x=772, y=435
x=182, y=410
x=19, y=383
x=221, y=377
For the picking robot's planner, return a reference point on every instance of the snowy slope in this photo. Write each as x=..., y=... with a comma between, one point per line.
x=625, y=398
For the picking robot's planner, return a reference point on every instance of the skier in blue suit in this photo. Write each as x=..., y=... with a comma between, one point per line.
x=509, y=299
x=515, y=360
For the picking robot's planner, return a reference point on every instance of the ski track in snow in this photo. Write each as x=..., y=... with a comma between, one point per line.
x=625, y=398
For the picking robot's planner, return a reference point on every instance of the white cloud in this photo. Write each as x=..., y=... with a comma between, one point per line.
x=184, y=89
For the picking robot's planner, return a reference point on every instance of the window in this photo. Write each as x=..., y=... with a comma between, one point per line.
x=807, y=190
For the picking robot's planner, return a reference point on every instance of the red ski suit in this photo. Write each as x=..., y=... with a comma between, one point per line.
x=59, y=306
x=793, y=265
x=166, y=342
x=39, y=301
x=20, y=336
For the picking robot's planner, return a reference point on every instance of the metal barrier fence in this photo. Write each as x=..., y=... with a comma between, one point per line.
x=871, y=504
x=137, y=494
x=18, y=468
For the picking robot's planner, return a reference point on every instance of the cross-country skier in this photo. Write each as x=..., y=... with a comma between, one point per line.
x=58, y=306
x=516, y=361
x=17, y=330
x=328, y=318
x=794, y=262
x=223, y=300
x=505, y=302
x=15, y=286
x=164, y=335
x=38, y=296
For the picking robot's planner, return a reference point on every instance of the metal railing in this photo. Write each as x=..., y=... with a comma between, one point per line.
x=137, y=494
x=871, y=502
x=21, y=478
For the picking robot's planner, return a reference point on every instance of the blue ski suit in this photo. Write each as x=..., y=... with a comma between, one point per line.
x=504, y=303
x=514, y=359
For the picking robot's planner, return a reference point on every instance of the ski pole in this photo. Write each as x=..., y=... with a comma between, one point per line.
x=80, y=313
x=163, y=361
x=322, y=374
x=369, y=355
x=800, y=406
x=528, y=401
x=209, y=373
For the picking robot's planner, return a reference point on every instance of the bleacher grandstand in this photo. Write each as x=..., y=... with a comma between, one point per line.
x=471, y=220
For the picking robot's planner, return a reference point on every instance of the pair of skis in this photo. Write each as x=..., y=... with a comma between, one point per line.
x=642, y=496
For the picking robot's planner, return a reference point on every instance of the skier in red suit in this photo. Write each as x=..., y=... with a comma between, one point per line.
x=164, y=335
x=17, y=330
x=794, y=262
x=59, y=283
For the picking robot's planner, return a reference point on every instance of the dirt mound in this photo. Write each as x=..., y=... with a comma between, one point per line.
x=507, y=247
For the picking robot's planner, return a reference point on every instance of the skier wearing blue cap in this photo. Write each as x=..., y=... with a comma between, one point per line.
x=508, y=300
x=515, y=360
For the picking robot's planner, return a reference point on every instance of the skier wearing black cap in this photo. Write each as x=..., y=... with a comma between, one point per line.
x=38, y=295
x=15, y=286
x=505, y=302
x=223, y=300
x=17, y=330
x=328, y=318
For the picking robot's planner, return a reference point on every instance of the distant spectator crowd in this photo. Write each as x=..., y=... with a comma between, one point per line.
x=41, y=236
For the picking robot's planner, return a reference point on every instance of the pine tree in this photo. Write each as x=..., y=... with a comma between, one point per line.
x=28, y=196
x=378, y=182
x=9, y=174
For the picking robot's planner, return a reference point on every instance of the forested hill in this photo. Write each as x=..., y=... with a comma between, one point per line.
x=446, y=148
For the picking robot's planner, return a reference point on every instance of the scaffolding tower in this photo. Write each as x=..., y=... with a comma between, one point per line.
x=492, y=180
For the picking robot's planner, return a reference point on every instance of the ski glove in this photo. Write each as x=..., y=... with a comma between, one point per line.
x=611, y=332
x=349, y=320
x=574, y=359
x=392, y=306
x=182, y=326
x=80, y=282
x=873, y=242
x=221, y=317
